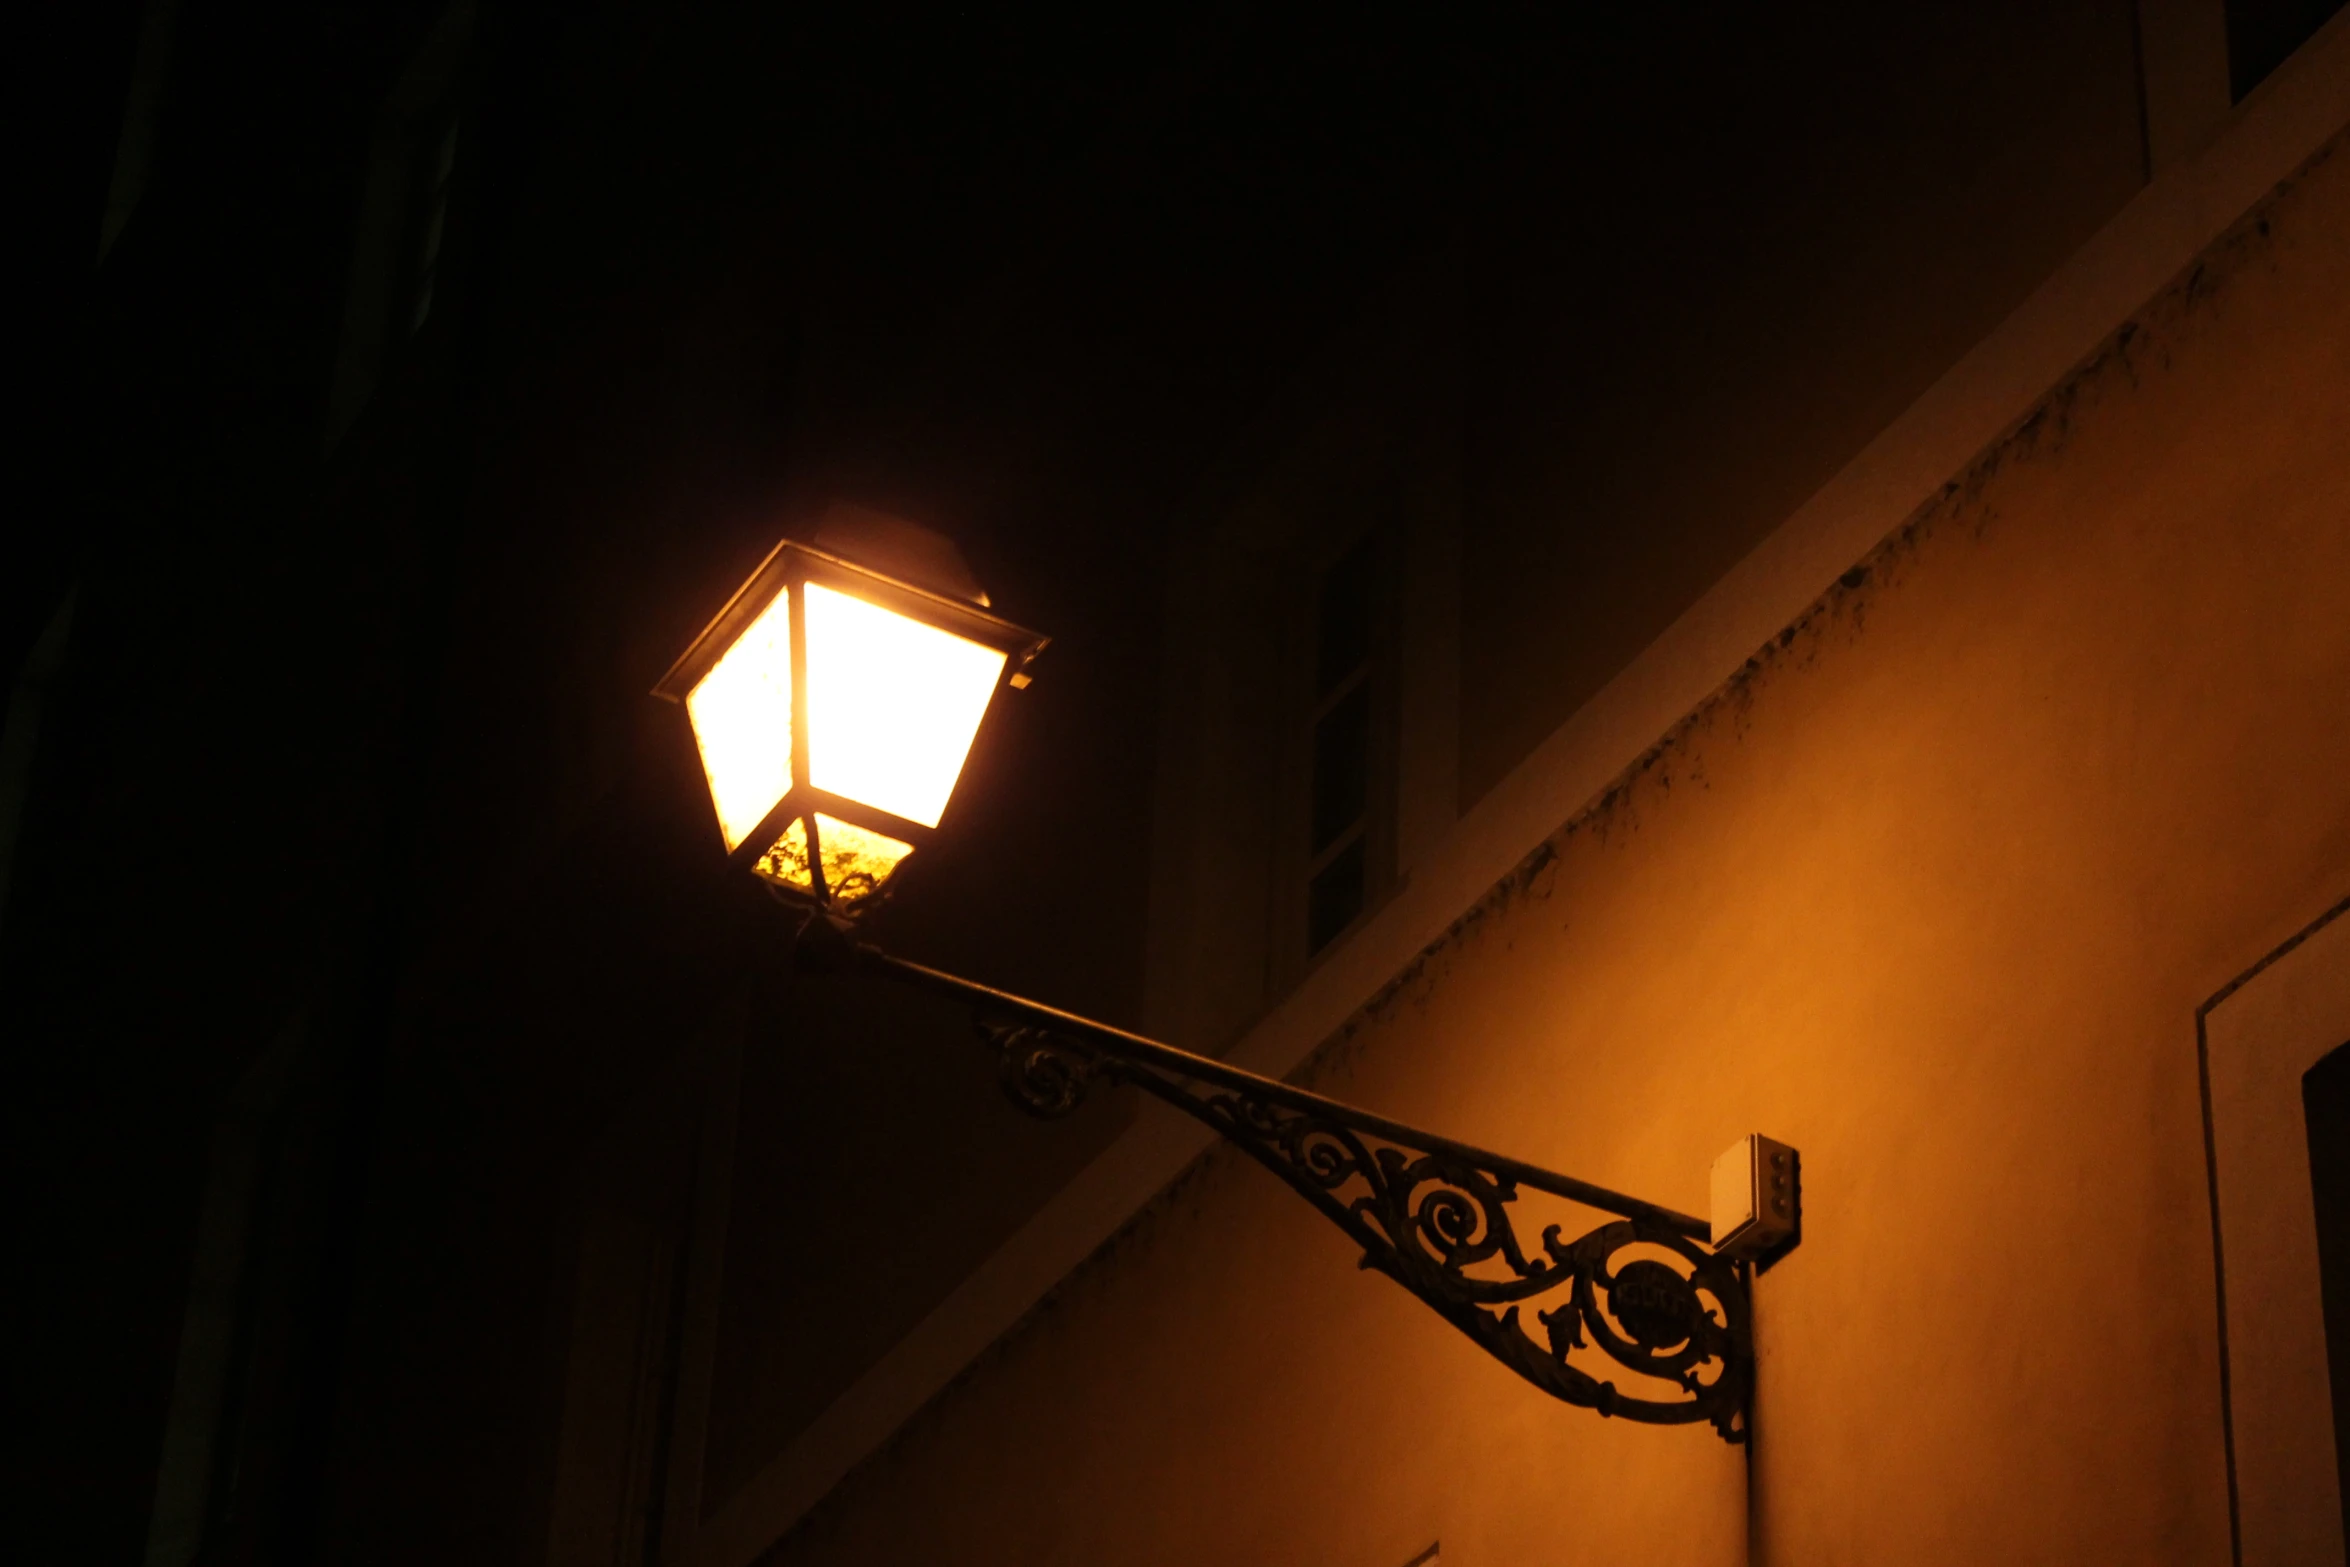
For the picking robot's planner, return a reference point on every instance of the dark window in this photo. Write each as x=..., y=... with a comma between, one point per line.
x=1342, y=744
x=1342, y=628
x=2262, y=33
x=2325, y=1105
x=400, y=261
x=1342, y=766
x=1335, y=896
x=437, y=157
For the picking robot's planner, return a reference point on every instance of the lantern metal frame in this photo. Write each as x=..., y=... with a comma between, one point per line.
x=792, y=566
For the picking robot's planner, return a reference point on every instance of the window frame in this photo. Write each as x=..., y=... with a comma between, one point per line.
x=2255, y=1039
x=1298, y=860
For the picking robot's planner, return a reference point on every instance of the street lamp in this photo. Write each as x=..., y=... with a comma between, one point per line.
x=833, y=702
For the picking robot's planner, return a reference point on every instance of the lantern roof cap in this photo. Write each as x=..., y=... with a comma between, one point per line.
x=914, y=581
x=897, y=548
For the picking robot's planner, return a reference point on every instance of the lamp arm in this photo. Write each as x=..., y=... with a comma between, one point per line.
x=1431, y=1213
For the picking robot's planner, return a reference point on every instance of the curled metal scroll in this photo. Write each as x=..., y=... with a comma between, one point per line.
x=1656, y=1303
x=1039, y=1073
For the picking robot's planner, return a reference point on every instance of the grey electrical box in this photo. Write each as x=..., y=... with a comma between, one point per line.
x=1756, y=1198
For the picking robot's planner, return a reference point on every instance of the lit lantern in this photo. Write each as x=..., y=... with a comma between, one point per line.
x=834, y=703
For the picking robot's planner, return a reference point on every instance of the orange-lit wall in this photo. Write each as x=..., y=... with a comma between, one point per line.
x=1932, y=891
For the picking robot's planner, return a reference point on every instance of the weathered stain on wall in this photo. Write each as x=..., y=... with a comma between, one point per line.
x=1931, y=889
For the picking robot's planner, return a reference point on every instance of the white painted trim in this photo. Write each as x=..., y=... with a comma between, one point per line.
x=2257, y=1044
x=2130, y=260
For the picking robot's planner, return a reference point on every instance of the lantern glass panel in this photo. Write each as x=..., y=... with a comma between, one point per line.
x=856, y=860
x=786, y=860
x=741, y=712
x=893, y=704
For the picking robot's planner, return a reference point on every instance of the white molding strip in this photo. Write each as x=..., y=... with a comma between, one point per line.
x=2269, y=1028
x=2150, y=242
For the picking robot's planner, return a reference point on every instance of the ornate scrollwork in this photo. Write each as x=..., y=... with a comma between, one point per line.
x=1639, y=1292
x=1042, y=1073
x=1635, y=1290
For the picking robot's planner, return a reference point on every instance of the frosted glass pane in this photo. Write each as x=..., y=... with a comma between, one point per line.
x=786, y=859
x=892, y=704
x=856, y=861
x=741, y=713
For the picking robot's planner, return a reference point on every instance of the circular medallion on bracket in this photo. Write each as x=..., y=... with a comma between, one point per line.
x=1654, y=1304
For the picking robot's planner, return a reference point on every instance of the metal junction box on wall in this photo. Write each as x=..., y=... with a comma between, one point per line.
x=1756, y=1199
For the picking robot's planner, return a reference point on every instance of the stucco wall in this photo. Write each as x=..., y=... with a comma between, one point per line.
x=1931, y=890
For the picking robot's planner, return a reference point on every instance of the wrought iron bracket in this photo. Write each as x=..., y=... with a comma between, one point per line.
x=1645, y=1291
